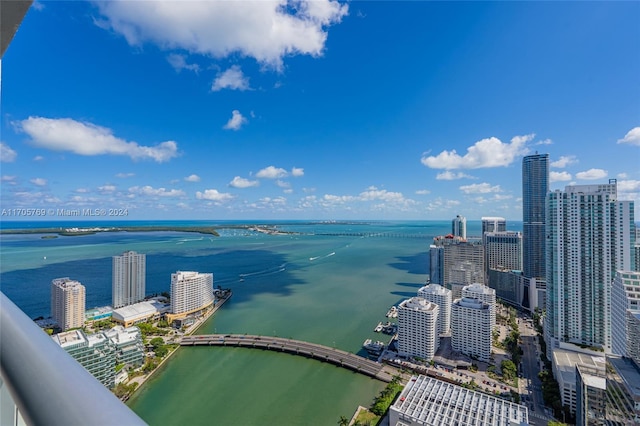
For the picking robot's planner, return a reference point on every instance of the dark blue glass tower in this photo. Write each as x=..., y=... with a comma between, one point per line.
x=535, y=185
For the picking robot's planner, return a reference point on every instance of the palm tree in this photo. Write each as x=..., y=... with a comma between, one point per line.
x=343, y=421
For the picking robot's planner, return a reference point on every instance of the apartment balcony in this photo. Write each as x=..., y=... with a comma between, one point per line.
x=41, y=384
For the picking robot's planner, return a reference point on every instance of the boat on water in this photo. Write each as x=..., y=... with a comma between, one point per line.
x=392, y=312
x=373, y=348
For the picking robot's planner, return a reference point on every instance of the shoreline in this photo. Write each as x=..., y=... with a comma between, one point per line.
x=141, y=380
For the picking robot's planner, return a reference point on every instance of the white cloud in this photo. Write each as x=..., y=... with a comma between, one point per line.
x=449, y=175
x=82, y=191
x=125, y=175
x=592, y=174
x=423, y=192
x=7, y=178
x=272, y=172
x=39, y=181
x=236, y=121
x=559, y=176
x=544, y=142
x=7, y=155
x=264, y=30
x=239, y=182
x=564, y=161
x=490, y=152
x=622, y=176
x=297, y=172
x=192, y=178
x=107, y=188
x=155, y=192
x=233, y=79
x=480, y=188
x=179, y=63
x=213, y=195
x=66, y=134
x=283, y=184
x=38, y=158
x=632, y=137
x=628, y=186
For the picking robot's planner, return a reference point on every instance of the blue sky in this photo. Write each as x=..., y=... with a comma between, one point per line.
x=315, y=110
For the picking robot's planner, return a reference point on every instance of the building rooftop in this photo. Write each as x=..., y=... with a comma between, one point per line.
x=69, y=338
x=630, y=374
x=565, y=362
x=469, y=302
x=418, y=304
x=138, y=310
x=429, y=401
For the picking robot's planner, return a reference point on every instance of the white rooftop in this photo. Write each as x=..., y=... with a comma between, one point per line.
x=137, y=310
x=429, y=401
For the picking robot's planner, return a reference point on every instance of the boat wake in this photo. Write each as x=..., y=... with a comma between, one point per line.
x=333, y=253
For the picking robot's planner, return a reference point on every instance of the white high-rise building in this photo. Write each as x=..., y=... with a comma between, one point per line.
x=190, y=292
x=128, y=278
x=589, y=238
x=441, y=296
x=471, y=328
x=459, y=227
x=493, y=224
x=67, y=303
x=625, y=296
x=484, y=294
x=418, y=328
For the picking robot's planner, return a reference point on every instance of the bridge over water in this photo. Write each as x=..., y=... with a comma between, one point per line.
x=335, y=356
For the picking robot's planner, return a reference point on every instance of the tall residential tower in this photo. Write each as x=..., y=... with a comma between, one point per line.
x=129, y=278
x=589, y=238
x=535, y=186
x=67, y=303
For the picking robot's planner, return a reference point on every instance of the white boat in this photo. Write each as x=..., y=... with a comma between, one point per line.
x=373, y=348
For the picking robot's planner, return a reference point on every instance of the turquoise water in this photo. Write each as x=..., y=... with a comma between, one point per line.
x=327, y=289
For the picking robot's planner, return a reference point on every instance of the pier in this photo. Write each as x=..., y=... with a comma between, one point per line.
x=335, y=356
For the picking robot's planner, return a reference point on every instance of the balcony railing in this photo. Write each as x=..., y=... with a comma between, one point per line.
x=48, y=386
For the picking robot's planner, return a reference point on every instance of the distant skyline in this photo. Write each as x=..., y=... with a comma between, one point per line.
x=315, y=110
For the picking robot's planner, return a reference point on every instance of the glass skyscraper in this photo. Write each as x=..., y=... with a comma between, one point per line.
x=535, y=186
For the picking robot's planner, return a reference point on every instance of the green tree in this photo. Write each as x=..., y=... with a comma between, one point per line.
x=343, y=421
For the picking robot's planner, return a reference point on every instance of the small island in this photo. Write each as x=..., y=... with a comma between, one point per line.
x=76, y=231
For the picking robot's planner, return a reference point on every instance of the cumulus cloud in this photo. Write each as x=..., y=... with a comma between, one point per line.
x=82, y=138
x=7, y=155
x=559, y=176
x=8, y=178
x=38, y=181
x=283, y=184
x=423, y=192
x=38, y=158
x=265, y=30
x=192, y=178
x=490, y=152
x=544, y=142
x=125, y=175
x=236, y=121
x=480, y=188
x=449, y=175
x=632, y=137
x=155, y=192
x=272, y=172
x=179, y=63
x=564, y=161
x=239, y=182
x=213, y=195
x=628, y=186
x=297, y=172
x=592, y=174
x=233, y=79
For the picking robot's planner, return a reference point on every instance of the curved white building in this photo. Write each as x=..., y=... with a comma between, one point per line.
x=417, y=328
x=485, y=294
x=190, y=292
x=441, y=296
x=471, y=328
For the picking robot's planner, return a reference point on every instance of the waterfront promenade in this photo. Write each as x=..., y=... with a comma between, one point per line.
x=335, y=356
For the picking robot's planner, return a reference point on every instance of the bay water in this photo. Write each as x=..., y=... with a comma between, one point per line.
x=326, y=283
